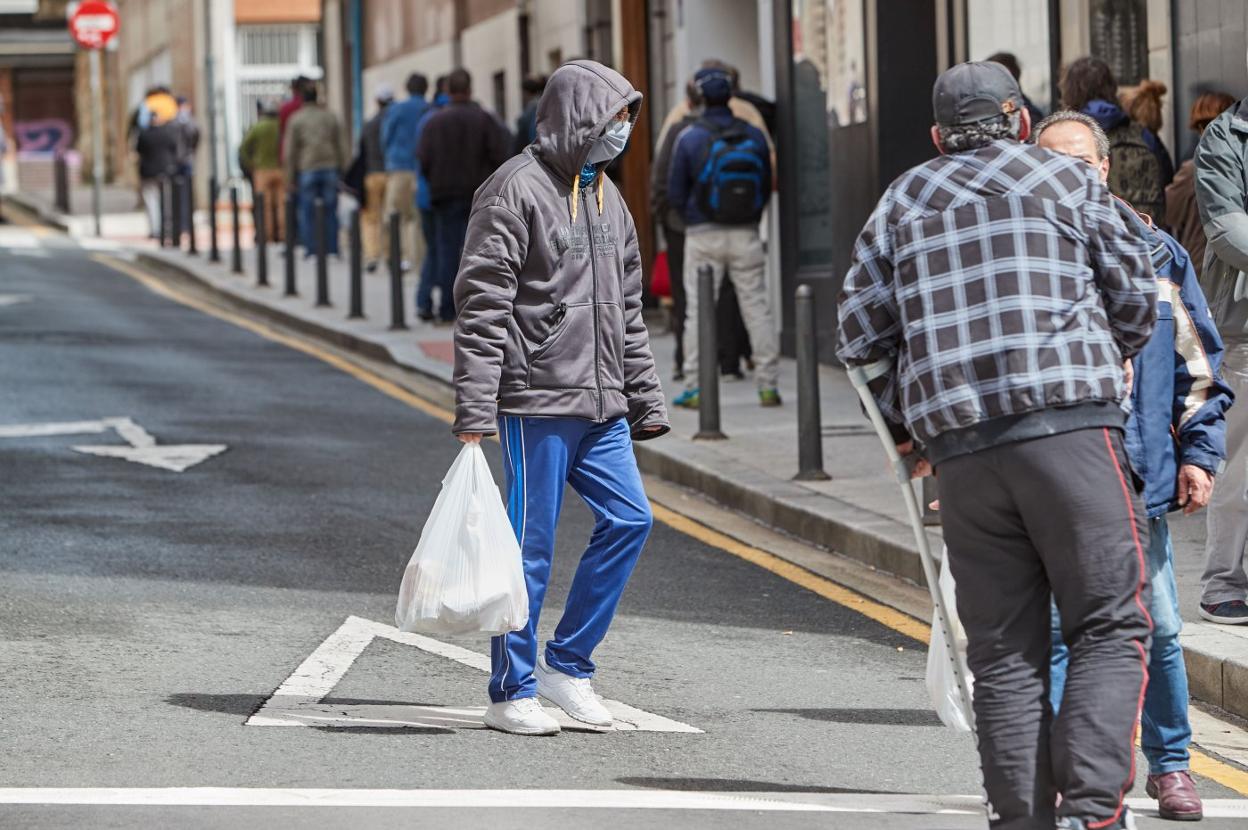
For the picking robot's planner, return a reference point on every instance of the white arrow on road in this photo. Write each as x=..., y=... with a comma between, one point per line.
x=297, y=702
x=140, y=446
x=13, y=299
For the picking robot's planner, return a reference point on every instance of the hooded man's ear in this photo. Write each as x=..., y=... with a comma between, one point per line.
x=936, y=139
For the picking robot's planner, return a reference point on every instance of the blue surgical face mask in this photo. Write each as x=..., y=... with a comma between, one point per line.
x=611, y=143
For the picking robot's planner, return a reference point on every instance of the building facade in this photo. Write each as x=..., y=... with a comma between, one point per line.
x=852, y=90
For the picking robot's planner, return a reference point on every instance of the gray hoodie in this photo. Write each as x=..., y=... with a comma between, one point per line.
x=549, y=286
x=1222, y=197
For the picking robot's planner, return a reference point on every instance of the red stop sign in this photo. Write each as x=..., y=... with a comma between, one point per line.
x=94, y=23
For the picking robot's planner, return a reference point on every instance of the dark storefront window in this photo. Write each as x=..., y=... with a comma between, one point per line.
x=829, y=99
x=1120, y=37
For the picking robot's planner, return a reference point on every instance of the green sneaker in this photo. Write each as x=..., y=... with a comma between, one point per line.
x=689, y=399
x=769, y=397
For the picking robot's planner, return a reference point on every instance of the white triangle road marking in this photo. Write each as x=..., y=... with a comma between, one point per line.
x=297, y=702
x=175, y=457
x=14, y=299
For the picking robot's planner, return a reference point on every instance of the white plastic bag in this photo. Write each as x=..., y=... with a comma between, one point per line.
x=942, y=684
x=466, y=574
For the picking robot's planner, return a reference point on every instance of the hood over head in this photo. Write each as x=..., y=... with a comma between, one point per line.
x=1107, y=113
x=579, y=101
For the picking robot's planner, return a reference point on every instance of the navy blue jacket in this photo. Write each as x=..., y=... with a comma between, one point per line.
x=1179, y=400
x=398, y=132
x=690, y=154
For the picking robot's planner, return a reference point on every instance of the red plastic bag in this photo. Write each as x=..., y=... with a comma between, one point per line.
x=660, y=276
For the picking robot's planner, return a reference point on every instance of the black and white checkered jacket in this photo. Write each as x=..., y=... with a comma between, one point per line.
x=1001, y=281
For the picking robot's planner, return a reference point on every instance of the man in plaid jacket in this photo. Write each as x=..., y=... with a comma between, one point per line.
x=1003, y=291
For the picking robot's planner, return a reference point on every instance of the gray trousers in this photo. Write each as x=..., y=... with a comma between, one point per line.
x=1056, y=515
x=1227, y=521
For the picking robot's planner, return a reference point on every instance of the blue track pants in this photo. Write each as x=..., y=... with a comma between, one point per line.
x=541, y=456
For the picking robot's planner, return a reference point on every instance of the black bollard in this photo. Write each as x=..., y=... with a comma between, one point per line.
x=809, y=419
x=262, y=242
x=60, y=173
x=192, y=248
x=163, y=224
x=236, y=260
x=322, y=245
x=398, y=316
x=292, y=207
x=708, y=359
x=357, y=270
x=214, y=251
x=176, y=185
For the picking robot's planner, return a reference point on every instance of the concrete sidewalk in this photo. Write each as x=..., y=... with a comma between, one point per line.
x=858, y=513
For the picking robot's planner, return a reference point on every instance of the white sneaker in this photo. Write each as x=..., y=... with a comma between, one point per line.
x=573, y=695
x=523, y=716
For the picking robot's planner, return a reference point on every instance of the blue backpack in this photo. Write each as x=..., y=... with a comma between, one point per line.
x=729, y=187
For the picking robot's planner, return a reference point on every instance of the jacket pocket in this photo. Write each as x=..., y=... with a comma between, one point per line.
x=565, y=359
x=611, y=345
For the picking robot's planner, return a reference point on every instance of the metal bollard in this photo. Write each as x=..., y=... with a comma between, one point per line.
x=162, y=232
x=192, y=248
x=214, y=191
x=357, y=269
x=236, y=260
x=322, y=245
x=398, y=316
x=60, y=180
x=176, y=185
x=809, y=419
x=708, y=359
x=292, y=208
x=262, y=242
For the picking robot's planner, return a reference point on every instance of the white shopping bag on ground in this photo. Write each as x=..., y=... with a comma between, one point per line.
x=942, y=684
x=466, y=574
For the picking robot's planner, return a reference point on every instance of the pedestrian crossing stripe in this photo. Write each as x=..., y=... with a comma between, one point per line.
x=298, y=701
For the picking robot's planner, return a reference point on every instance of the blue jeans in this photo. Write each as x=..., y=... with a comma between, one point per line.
x=541, y=457
x=450, y=225
x=1165, y=732
x=424, y=291
x=323, y=185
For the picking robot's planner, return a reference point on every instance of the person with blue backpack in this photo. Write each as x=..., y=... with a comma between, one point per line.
x=721, y=180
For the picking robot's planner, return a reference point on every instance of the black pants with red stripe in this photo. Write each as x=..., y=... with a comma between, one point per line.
x=1059, y=515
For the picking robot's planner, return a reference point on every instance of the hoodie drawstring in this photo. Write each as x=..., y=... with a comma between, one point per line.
x=576, y=192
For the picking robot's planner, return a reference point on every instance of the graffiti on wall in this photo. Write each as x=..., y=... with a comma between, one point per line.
x=47, y=135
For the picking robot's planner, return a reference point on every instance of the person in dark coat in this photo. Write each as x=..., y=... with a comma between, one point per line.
x=158, y=147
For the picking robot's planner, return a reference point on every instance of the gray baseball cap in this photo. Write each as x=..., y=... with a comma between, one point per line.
x=974, y=91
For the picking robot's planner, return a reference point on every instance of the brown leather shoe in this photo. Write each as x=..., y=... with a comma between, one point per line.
x=1176, y=796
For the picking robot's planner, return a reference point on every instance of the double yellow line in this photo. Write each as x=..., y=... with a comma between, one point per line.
x=1202, y=763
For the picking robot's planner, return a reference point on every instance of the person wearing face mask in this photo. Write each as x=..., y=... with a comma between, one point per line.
x=721, y=178
x=551, y=353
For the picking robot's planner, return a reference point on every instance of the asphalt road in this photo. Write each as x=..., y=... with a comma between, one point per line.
x=146, y=614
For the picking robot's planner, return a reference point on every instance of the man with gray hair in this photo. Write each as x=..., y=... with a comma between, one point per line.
x=1177, y=394
x=994, y=294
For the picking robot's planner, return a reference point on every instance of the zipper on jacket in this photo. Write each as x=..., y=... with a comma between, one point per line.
x=556, y=316
x=593, y=270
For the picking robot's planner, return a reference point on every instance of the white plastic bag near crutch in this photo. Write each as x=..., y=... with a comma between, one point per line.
x=943, y=631
x=466, y=574
x=942, y=680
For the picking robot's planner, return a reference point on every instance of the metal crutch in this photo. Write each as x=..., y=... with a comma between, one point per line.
x=860, y=376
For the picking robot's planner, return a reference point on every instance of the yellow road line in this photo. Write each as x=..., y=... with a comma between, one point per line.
x=1202, y=764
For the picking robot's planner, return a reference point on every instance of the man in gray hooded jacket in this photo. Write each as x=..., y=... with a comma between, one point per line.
x=551, y=352
x=1222, y=196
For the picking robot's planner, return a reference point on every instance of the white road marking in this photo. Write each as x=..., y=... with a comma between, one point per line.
x=14, y=299
x=544, y=800
x=140, y=446
x=297, y=702
x=38, y=253
x=17, y=239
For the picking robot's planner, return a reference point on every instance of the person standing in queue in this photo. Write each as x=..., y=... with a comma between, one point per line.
x=551, y=351
x=995, y=294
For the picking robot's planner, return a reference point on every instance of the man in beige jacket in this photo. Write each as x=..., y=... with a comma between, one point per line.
x=315, y=154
